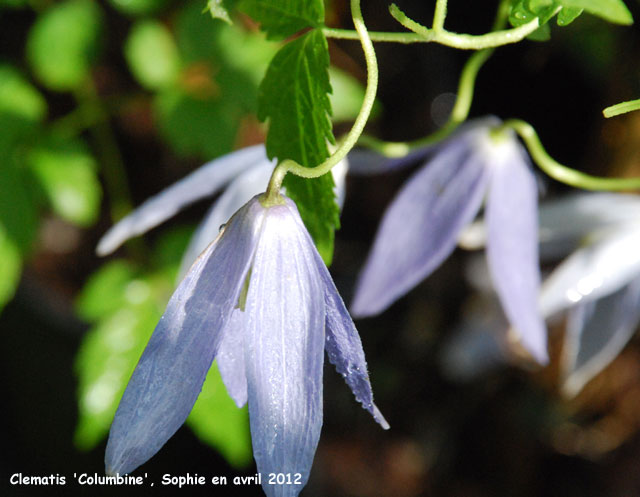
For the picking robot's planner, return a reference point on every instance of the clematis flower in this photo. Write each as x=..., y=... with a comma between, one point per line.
x=421, y=226
x=598, y=285
x=261, y=301
x=245, y=171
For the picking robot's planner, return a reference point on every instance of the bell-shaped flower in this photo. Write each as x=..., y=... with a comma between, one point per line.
x=245, y=171
x=261, y=301
x=421, y=227
x=598, y=284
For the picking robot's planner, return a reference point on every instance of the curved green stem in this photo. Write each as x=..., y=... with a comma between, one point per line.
x=350, y=34
x=465, y=41
x=621, y=108
x=275, y=183
x=563, y=173
x=439, y=15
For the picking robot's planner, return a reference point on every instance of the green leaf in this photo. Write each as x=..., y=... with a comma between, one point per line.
x=105, y=361
x=294, y=97
x=524, y=11
x=567, y=15
x=152, y=55
x=283, y=18
x=200, y=115
x=543, y=33
x=203, y=126
x=17, y=207
x=9, y=267
x=610, y=10
x=22, y=109
x=13, y=4
x=347, y=95
x=216, y=420
x=63, y=42
x=67, y=172
x=138, y=7
x=18, y=97
x=124, y=308
x=105, y=292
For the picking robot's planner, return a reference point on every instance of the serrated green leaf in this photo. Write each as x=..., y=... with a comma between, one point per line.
x=67, y=173
x=10, y=266
x=294, y=97
x=63, y=42
x=567, y=15
x=610, y=10
x=152, y=55
x=283, y=18
x=217, y=421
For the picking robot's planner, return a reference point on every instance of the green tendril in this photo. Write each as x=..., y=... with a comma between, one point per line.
x=621, y=108
x=439, y=35
x=563, y=173
x=461, y=108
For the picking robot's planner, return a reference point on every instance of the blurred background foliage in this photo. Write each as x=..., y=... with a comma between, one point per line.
x=103, y=103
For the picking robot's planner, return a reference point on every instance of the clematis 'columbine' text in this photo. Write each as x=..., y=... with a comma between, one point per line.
x=260, y=300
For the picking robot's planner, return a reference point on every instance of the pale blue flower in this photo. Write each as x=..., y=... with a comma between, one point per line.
x=421, y=226
x=260, y=300
x=244, y=172
x=598, y=284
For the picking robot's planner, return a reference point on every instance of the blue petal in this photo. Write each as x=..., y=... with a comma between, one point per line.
x=512, y=246
x=596, y=333
x=420, y=227
x=172, y=369
x=230, y=358
x=344, y=347
x=245, y=186
x=248, y=184
x=199, y=184
x=284, y=345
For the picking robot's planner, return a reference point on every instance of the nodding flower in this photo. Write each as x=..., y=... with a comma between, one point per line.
x=261, y=302
x=598, y=284
x=476, y=166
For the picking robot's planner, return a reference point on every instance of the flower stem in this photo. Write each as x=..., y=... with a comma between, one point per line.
x=275, y=183
x=439, y=16
x=563, y=173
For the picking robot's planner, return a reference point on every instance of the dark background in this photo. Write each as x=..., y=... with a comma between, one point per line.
x=506, y=432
